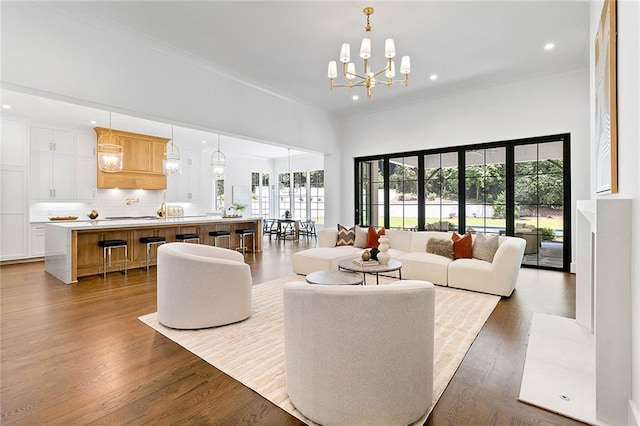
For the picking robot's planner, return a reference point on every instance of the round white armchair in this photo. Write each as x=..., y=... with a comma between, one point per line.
x=360, y=355
x=201, y=286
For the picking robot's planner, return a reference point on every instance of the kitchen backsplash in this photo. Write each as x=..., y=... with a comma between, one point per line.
x=109, y=202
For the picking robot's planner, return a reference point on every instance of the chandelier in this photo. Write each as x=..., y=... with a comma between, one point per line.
x=218, y=162
x=109, y=153
x=171, y=164
x=368, y=78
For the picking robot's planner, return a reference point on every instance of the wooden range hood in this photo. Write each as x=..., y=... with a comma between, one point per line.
x=141, y=161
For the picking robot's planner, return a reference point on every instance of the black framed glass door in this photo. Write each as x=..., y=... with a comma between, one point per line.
x=516, y=188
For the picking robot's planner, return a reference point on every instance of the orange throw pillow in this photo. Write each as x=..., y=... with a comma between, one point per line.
x=372, y=237
x=462, y=246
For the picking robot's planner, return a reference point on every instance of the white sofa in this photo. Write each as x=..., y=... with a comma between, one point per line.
x=498, y=277
x=202, y=286
x=348, y=362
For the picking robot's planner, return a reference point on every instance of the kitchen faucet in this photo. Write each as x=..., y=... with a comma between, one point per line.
x=162, y=211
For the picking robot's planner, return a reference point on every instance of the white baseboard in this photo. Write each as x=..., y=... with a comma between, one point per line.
x=572, y=267
x=634, y=414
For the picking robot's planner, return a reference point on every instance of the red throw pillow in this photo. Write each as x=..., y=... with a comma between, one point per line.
x=462, y=246
x=372, y=237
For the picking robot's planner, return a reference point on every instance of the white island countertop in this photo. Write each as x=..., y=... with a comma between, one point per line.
x=78, y=225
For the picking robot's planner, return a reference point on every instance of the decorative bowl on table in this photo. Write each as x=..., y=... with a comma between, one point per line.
x=93, y=214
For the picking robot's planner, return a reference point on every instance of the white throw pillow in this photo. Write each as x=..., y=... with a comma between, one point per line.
x=361, y=237
x=485, y=248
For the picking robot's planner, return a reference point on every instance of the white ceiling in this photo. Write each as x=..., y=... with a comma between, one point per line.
x=285, y=46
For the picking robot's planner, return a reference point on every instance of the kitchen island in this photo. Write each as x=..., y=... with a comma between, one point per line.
x=72, y=251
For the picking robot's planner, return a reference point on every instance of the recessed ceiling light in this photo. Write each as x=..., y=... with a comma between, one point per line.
x=433, y=76
x=354, y=97
x=204, y=141
x=5, y=106
x=549, y=46
x=93, y=122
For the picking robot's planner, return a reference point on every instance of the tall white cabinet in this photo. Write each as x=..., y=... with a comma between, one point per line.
x=13, y=190
x=62, y=165
x=51, y=163
x=85, y=162
x=62, y=168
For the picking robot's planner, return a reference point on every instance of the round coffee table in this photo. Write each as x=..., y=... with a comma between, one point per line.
x=334, y=278
x=393, y=265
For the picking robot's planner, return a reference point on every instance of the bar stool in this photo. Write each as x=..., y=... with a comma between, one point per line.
x=107, y=246
x=149, y=241
x=188, y=237
x=243, y=233
x=220, y=234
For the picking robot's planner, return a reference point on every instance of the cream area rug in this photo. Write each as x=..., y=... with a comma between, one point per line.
x=252, y=351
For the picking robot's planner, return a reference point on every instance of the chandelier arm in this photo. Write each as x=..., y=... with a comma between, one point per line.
x=379, y=72
x=359, y=84
x=361, y=77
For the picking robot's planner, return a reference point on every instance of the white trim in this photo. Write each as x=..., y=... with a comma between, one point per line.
x=634, y=414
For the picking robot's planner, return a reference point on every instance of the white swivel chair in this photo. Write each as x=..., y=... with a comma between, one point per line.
x=201, y=286
x=360, y=355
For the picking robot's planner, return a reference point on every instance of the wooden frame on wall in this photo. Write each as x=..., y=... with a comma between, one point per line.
x=606, y=123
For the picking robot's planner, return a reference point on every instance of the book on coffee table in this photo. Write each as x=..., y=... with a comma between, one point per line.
x=361, y=262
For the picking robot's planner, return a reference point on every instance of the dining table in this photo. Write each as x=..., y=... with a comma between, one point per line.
x=288, y=227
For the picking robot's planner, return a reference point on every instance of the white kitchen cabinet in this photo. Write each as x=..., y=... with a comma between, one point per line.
x=186, y=186
x=13, y=214
x=13, y=238
x=51, y=177
x=37, y=239
x=51, y=164
x=13, y=190
x=50, y=140
x=192, y=178
x=173, y=182
x=86, y=167
x=85, y=178
x=85, y=145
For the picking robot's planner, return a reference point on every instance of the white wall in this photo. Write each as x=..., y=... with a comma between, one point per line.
x=519, y=109
x=628, y=76
x=107, y=68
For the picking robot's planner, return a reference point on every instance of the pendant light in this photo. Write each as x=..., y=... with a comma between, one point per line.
x=171, y=164
x=109, y=153
x=218, y=162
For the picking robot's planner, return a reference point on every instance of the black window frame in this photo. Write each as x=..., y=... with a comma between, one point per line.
x=510, y=184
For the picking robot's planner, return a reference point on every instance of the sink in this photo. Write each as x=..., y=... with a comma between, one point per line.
x=131, y=217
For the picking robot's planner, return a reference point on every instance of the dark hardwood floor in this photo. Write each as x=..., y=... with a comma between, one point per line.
x=77, y=354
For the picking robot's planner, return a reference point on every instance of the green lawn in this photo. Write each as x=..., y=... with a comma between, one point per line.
x=410, y=222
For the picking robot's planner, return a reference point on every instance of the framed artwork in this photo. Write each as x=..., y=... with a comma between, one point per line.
x=606, y=124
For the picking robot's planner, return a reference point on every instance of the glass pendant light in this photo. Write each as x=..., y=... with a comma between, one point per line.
x=109, y=153
x=171, y=164
x=218, y=162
